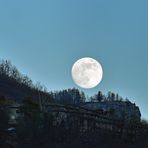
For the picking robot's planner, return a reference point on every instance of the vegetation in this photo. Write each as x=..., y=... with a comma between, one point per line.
x=22, y=86
x=70, y=127
x=36, y=128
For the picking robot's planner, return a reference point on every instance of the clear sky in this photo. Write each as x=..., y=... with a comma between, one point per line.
x=43, y=38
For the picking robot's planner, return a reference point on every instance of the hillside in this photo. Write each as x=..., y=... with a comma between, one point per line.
x=17, y=86
x=65, y=119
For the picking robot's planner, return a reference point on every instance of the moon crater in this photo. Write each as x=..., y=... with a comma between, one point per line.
x=87, y=72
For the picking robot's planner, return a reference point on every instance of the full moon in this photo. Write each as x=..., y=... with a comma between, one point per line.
x=87, y=72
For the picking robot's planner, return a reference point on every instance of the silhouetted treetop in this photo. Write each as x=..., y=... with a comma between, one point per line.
x=22, y=84
x=110, y=97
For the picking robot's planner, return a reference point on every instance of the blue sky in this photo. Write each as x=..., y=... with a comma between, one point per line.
x=43, y=38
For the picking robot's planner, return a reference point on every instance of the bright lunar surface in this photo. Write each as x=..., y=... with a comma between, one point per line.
x=87, y=72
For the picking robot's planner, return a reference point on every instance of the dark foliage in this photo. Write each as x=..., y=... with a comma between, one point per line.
x=66, y=130
x=15, y=85
x=70, y=127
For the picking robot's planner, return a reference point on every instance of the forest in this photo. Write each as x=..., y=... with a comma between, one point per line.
x=32, y=117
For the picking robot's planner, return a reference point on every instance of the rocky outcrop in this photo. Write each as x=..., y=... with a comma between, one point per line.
x=126, y=111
